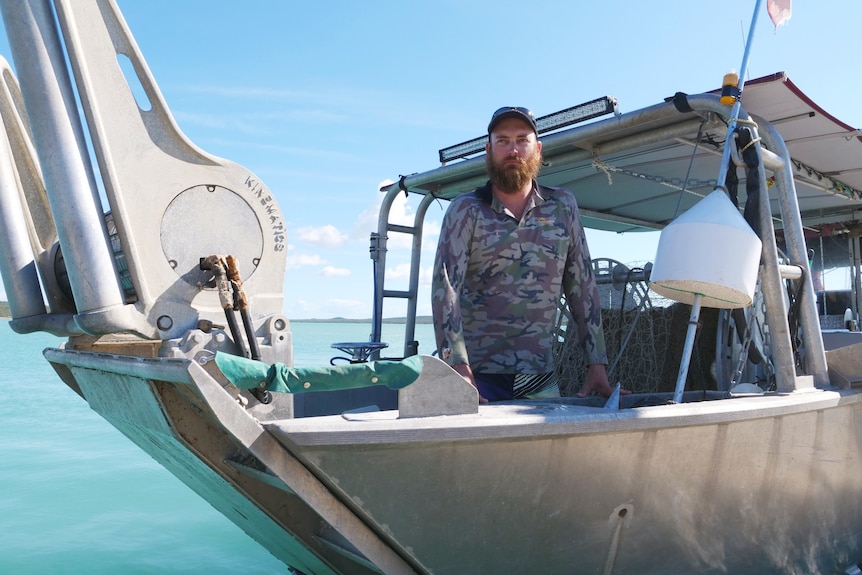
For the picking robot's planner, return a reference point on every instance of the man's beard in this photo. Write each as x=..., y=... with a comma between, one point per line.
x=512, y=179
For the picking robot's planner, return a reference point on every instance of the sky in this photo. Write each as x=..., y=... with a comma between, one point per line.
x=325, y=101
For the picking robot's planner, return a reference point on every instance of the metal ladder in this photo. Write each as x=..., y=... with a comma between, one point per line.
x=378, y=250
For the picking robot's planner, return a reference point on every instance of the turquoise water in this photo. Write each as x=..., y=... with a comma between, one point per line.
x=77, y=497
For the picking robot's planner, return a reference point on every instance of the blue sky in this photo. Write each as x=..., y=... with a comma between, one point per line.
x=323, y=101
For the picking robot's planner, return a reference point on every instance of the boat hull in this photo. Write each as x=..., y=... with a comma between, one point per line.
x=690, y=488
x=767, y=483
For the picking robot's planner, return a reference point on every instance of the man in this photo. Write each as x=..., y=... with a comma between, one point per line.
x=507, y=252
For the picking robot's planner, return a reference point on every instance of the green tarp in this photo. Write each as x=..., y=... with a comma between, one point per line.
x=248, y=373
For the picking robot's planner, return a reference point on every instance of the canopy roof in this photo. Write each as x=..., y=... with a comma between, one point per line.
x=628, y=170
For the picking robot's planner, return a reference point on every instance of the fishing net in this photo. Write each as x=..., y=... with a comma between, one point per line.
x=644, y=335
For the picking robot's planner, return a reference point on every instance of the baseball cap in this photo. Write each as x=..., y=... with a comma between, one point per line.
x=523, y=114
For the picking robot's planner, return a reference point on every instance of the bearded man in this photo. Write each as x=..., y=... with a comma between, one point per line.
x=507, y=252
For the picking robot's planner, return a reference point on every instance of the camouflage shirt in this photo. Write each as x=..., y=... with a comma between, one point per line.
x=497, y=282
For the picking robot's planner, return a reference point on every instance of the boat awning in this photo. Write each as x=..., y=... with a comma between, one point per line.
x=628, y=174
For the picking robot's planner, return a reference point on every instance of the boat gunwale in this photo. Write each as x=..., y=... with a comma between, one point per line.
x=544, y=419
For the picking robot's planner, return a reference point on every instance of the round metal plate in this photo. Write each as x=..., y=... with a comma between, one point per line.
x=210, y=220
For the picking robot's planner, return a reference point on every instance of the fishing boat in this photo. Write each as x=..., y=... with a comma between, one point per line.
x=738, y=452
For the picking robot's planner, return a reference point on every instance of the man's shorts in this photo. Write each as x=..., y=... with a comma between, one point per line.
x=505, y=386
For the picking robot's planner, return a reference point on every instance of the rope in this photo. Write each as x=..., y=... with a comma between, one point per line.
x=673, y=183
x=688, y=172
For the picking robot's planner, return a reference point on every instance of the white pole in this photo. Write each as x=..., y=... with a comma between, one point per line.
x=687, y=349
x=722, y=173
x=734, y=111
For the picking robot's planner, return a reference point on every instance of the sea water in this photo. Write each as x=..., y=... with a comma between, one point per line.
x=77, y=497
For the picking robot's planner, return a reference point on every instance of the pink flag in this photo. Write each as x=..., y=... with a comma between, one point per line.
x=779, y=11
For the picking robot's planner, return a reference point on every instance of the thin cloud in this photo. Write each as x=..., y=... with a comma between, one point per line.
x=348, y=303
x=402, y=272
x=334, y=272
x=400, y=213
x=326, y=236
x=325, y=94
x=254, y=124
x=295, y=261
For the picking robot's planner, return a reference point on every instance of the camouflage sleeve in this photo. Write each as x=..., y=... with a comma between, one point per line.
x=450, y=267
x=582, y=294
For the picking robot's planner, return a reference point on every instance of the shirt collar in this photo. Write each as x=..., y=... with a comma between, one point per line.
x=536, y=197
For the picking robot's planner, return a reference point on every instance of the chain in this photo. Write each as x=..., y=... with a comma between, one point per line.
x=674, y=183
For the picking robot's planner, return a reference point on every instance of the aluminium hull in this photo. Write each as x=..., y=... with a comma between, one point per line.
x=755, y=484
x=745, y=485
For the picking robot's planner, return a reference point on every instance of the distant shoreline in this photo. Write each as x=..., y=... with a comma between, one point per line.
x=396, y=320
x=421, y=319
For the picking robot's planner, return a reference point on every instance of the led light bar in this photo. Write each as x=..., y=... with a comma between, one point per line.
x=561, y=119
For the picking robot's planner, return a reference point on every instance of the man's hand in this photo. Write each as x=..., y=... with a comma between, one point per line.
x=464, y=371
x=597, y=382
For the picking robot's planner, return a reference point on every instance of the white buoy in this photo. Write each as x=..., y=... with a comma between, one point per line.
x=709, y=251
x=849, y=320
x=709, y=257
